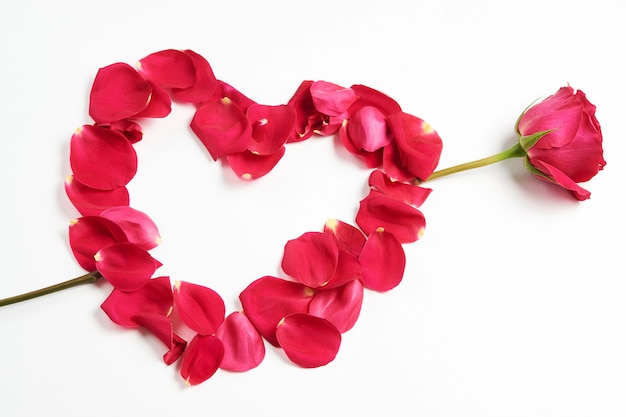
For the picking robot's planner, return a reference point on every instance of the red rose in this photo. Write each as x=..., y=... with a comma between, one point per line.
x=563, y=140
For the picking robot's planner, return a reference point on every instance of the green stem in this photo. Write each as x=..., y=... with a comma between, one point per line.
x=84, y=279
x=515, y=151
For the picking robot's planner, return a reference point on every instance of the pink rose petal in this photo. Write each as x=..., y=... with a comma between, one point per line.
x=341, y=306
x=307, y=340
x=243, y=346
x=367, y=129
x=162, y=328
x=200, y=308
x=222, y=127
x=347, y=237
x=271, y=127
x=126, y=266
x=268, y=299
x=250, y=166
x=169, y=68
x=311, y=259
x=159, y=105
x=383, y=261
x=204, y=85
x=155, y=298
x=407, y=193
x=202, y=359
x=102, y=158
x=87, y=235
x=90, y=201
x=118, y=92
x=137, y=226
x=331, y=99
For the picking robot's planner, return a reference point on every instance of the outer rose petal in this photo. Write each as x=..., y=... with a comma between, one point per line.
x=419, y=145
x=347, y=237
x=200, y=308
x=204, y=85
x=90, y=201
x=308, y=341
x=555, y=176
x=162, y=328
x=169, y=68
x=371, y=97
x=137, y=226
x=87, y=235
x=118, y=92
x=407, y=193
x=341, y=306
x=155, y=298
x=268, y=299
x=102, y=158
x=222, y=127
x=250, y=166
x=331, y=99
x=383, y=261
x=243, y=346
x=311, y=259
x=378, y=210
x=126, y=266
x=202, y=359
x=271, y=127
x=368, y=129
x=159, y=105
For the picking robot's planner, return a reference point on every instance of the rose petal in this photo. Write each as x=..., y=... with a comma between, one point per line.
x=311, y=259
x=307, y=116
x=137, y=226
x=130, y=129
x=222, y=127
x=370, y=159
x=155, y=298
x=308, y=341
x=378, y=210
x=159, y=105
x=331, y=99
x=162, y=328
x=347, y=237
x=243, y=346
x=102, y=158
x=90, y=201
x=383, y=261
x=367, y=129
x=341, y=306
x=236, y=96
x=199, y=307
x=371, y=97
x=169, y=68
x=202, y=359
x=419, y=145
x=407, y=193
x=205, y=82
x=268, y=299
x=118, y=92
x=250, y=166
x=556, y=176
x=271, y=127
x=126, y=266
x=87, y=235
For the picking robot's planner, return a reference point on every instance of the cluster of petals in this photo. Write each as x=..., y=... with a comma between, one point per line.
x=326, y=272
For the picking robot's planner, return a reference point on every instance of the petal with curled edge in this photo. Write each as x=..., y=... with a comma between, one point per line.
x=250, y=166
x=383, y=261
x=268, y=299
x=155, y=298
x=125, y=265
x=202, y=359
x=136, y=225
x=347, y=237
x=129, y=128
x=243, y=345
x=307, y=116
x=118, y=92
x=368, y=129
x=91, y=201
x=331, y=99
x=271, y=127
x=102, y=158
x=89, y=234
x=222, y=127
x=311, y=259
x=379, y=210
x=370, y=159
x=204, y=85
x=341, y=306
x=169, y=68
x=199, y=307
x=162, y=327
x=407, y=193
x=307, y=340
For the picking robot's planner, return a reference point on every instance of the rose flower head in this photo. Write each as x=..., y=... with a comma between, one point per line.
x=563, y=140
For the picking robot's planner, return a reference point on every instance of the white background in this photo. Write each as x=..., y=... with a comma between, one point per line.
x=513, y=302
